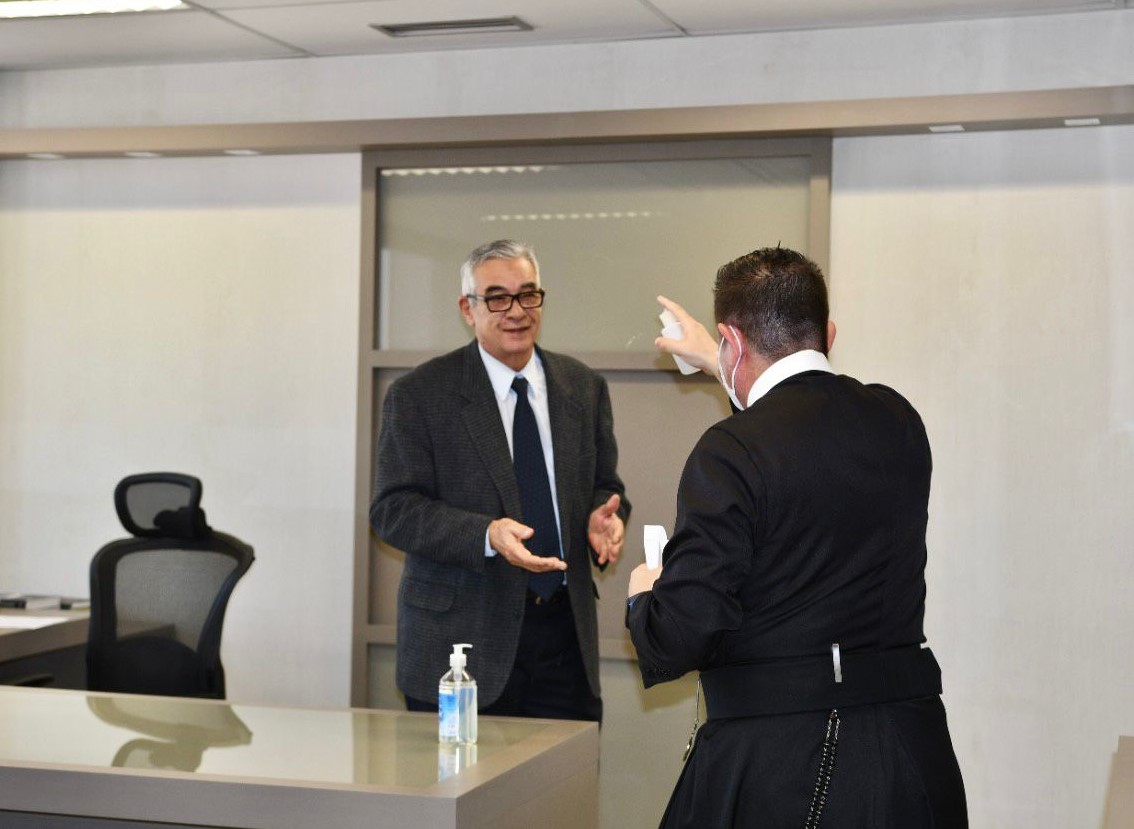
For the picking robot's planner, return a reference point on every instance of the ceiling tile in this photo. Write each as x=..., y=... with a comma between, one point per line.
x=344, y=28
x=720, y=16
x=148, y=37
x=223, y=30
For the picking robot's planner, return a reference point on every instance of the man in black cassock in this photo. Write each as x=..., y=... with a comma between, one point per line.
x=794, y=581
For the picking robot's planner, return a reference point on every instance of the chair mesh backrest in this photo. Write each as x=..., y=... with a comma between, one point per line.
x=176, y=587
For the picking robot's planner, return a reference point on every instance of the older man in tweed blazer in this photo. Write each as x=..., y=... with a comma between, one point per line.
x=446, y=494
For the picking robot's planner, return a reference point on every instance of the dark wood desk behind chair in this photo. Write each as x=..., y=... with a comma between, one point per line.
x=58, y=649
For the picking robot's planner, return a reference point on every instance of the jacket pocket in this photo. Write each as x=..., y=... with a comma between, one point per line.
x=428, y=595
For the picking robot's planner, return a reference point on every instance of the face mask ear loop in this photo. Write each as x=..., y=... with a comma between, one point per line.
x=720, y=365
x=728, y=387
x=732, y=377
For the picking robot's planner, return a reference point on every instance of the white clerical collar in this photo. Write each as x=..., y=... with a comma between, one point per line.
x=789, y=366
x=501, y=376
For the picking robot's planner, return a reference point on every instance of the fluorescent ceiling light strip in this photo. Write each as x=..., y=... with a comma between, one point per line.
x=468, y=171
x=10, y=9
x=947, y=128
x=454, y=27
x=1082, y=122
x=545, y=217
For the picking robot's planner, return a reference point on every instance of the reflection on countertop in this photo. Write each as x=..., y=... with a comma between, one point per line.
x=183, y=733
x=214, y=738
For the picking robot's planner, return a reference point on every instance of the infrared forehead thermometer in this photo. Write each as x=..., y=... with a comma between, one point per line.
x=653, y=540
x=672, y=329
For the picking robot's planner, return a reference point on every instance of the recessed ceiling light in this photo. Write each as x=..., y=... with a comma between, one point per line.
x=487, y=25
x=452, y=171
x=45, y=156
x=947, y=128
x=533, y=217
x=241, y=152
x=65, y=8
x=1081, y=122
x=141, y=154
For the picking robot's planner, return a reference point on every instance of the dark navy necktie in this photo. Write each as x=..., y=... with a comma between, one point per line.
x=535, y=490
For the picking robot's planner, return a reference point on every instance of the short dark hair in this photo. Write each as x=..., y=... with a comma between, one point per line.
x=777, y=297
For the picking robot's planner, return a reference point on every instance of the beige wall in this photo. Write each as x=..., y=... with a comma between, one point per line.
x=193, y=315
x=991, y=279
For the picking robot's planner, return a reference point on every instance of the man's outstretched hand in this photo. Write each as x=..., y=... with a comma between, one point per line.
x=606, y=532
x=507, y=538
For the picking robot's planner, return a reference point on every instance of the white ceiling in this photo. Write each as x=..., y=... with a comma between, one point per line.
x=224, y=30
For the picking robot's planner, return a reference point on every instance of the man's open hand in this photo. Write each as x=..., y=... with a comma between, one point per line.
x=606, y=532
x=507, y=538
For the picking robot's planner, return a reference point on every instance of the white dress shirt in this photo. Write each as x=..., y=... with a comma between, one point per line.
x=501, y=377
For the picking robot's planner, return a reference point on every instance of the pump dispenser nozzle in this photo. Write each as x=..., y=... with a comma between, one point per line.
x=458, y=659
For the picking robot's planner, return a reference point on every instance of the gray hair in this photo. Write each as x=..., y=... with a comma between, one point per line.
x=500, y=249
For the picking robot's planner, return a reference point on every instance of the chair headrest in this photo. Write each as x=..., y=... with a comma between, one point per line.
x=161, y=505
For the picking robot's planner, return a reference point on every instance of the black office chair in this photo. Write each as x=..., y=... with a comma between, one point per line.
x=158, y=599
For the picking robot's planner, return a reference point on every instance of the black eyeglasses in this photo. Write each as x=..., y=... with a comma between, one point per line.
x=499, y=303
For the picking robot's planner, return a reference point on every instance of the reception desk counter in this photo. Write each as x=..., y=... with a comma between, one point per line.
x=77, y=759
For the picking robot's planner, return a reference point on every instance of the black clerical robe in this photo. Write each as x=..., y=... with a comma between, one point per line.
x=801, y=527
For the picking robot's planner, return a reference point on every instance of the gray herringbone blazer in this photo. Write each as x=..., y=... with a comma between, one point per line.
x=443, y=472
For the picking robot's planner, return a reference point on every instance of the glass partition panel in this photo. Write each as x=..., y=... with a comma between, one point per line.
x=610, y=237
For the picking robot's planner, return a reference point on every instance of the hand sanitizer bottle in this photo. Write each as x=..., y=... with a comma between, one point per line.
x=456, y=701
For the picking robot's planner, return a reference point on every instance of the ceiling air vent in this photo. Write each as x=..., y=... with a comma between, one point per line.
x=490, y=25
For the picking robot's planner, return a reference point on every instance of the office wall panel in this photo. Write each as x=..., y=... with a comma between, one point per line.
x=194, y=315
x=989, y=278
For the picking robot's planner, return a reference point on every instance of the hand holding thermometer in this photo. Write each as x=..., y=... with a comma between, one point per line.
x=671, y=329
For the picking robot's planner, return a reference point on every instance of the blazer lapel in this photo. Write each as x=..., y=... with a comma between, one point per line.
x=486, y=432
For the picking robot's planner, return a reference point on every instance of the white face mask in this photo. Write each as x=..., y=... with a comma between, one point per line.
x=730, y=384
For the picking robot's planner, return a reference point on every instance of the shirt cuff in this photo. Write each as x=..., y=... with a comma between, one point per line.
x=488, y=551
x=630, y=606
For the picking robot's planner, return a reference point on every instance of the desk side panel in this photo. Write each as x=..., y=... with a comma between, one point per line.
x=68, y=795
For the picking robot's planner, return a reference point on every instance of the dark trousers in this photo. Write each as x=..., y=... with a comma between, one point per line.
x=548, y=679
